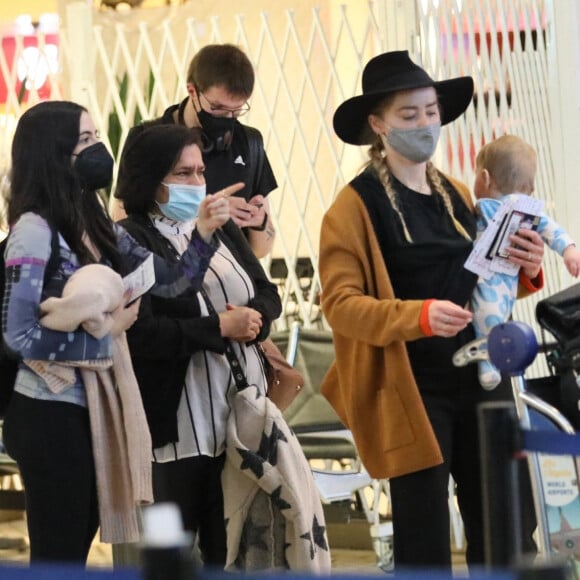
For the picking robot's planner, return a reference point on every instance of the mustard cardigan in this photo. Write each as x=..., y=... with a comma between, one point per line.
x=371, y=385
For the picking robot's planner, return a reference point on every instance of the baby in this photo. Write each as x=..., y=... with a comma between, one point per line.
x=505, y=168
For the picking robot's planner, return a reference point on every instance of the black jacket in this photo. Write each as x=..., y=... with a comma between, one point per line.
x=169, y=330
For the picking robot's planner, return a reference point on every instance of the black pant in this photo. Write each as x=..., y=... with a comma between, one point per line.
x=194, y=484
x=421, y=527
x=51, y=443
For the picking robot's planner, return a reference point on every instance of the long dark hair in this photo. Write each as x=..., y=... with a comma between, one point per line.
x=43, y=180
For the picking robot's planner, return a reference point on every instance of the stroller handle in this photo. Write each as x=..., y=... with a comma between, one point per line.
x=511, y=347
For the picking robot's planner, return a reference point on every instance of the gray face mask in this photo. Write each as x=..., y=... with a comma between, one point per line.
x=416, y=145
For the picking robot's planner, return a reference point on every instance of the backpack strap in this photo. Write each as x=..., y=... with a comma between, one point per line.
x=9, y=360
x=51, y=265
x=54, y=258
x=255, y=154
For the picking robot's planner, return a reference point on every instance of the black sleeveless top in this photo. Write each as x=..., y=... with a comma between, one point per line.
x=431, y=265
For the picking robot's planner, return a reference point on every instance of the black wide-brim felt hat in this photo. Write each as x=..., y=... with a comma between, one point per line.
x=389, y=73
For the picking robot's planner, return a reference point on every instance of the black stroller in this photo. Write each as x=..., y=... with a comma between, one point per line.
x=547, y=403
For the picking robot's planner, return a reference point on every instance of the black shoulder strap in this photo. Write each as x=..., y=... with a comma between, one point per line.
x=50, y=270
x=236, y=367
x=2, y=274
x=51, y=265
x=256, y=154
x=54, y=258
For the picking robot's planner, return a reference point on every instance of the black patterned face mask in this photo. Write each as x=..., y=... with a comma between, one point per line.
x=218, y=132
x=94, y=166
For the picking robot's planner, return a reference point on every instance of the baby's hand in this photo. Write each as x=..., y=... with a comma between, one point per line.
x=571, y=257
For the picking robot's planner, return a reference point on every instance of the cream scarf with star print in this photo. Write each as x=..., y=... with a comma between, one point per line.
x=272, y=508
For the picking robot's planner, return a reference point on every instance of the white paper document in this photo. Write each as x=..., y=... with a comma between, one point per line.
x=488, y=255
x=140, y=279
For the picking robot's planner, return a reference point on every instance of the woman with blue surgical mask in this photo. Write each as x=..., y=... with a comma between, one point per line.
x=183, y=201
x=178, y=345
x=179, y=196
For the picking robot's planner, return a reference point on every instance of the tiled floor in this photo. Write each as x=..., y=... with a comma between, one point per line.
x=359, y=559
x=13, y=532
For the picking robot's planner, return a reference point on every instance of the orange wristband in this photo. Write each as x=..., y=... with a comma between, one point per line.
x=424, y=318
x=532, y=284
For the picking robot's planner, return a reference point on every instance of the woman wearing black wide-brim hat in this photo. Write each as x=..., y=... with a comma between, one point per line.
x=394, y=291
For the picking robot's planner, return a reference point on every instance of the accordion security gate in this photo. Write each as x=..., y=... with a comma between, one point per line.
x=308, y=58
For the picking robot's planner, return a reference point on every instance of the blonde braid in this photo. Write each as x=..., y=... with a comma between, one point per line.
x=435, y=181
x=379, y=164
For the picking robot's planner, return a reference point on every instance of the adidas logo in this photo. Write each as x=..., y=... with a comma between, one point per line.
x=239, y=160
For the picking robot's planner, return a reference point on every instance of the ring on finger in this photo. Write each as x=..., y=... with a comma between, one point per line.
x=530, y=257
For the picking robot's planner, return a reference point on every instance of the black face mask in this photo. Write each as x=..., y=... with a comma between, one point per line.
x=94, y=166
x=218, y=132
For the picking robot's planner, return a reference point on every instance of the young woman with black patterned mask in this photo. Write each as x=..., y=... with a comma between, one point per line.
x=58, y=164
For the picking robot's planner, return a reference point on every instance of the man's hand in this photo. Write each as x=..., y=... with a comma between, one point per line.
x=261, y=237
x=247, y=214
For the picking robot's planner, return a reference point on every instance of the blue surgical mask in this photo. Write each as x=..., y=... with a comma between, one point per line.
x=184, y=201
x=416, y=145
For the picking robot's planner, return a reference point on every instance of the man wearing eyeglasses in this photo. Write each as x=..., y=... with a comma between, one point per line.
x=220, y=80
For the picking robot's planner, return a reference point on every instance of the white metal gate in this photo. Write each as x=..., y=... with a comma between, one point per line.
x=503, y=44
x=308, y=58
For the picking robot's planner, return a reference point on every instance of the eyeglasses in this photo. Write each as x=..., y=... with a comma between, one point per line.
x=221, y=111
